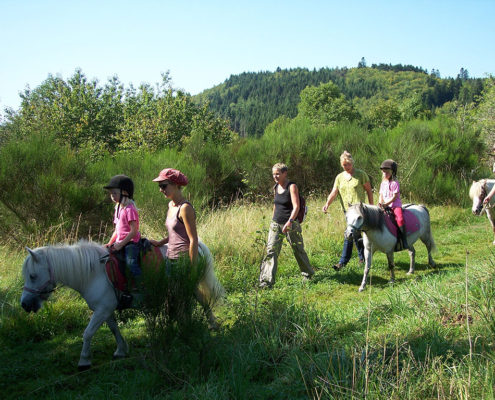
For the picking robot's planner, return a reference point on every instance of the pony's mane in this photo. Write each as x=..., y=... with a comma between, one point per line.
x=475, y=189
x=73, y=262
x=372, y=216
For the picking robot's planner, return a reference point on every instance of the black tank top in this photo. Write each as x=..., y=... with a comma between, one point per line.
x=283, y=205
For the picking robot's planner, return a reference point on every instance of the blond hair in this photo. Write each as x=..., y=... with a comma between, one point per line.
x=346, y=156
x=281, y=167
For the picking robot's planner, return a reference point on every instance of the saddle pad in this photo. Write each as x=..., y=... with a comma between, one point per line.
x=118, y=279
x=410, y=219
x=114, y=274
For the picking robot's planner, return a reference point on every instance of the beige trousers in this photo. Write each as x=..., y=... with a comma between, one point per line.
x=274, y=245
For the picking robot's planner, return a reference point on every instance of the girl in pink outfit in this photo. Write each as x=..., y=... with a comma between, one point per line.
x=390, y=196
x=126, y=219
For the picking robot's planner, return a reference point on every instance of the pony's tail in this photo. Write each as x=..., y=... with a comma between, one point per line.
x=433, y=248
x=209, y=286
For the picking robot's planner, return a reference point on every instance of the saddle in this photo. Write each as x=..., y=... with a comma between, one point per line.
x=410, y=220
x=122, y=281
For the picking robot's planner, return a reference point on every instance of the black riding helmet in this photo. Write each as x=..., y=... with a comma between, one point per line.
x=122, y=182
x=389, y=164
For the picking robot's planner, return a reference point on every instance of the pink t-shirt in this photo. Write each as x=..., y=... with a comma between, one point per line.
x=122, y=227
x=388, y=189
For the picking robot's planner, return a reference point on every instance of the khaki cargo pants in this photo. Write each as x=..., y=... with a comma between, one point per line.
x=274, y=245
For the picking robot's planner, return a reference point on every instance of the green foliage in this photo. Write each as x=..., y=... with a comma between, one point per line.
x=83, y=114
x=384, y=115
x=299, y=340
x=45, y=184
x=251, y=101
x=325, y=105
x=485, y=113
x=169, y=300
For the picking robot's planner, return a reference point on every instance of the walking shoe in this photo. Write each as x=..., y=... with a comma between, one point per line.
x=338, y=266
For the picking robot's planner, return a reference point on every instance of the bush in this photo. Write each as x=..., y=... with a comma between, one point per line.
x=45, y=184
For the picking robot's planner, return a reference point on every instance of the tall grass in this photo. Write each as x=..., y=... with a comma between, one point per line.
x=299, y=340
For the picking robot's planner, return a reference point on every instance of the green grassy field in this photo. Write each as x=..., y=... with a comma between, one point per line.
x=428, y=336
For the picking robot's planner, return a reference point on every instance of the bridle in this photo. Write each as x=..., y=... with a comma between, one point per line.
x=43, y=289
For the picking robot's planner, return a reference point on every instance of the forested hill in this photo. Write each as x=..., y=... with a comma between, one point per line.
x=251, y=100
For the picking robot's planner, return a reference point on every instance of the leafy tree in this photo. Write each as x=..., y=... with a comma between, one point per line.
x=384, y=115
x=83, y=114
x=485, y=113
x=325, y=104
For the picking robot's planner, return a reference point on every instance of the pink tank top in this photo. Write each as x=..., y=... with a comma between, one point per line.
x=178, y=241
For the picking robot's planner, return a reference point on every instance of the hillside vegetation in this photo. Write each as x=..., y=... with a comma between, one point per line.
x=251, y=101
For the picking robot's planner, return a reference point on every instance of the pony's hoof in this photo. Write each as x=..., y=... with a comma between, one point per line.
x=391, y=281
x=360, y=289
x=118, y=356
x=410, y=272
x=82, y=368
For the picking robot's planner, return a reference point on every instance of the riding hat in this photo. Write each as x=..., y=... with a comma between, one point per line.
x=389, y=164
x=172, y=175
x=122, y=182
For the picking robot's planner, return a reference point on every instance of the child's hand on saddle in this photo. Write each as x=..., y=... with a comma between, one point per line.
x=116, y=246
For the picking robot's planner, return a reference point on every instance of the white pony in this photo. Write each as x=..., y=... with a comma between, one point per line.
x=478, y=192
x=82, y=267
x=371, y=221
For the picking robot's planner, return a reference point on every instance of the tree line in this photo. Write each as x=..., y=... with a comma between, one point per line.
x=250, y=101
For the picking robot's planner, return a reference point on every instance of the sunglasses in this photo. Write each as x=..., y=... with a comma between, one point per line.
x=163, y=186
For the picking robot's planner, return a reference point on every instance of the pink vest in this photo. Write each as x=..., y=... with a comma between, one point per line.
x=178, y=241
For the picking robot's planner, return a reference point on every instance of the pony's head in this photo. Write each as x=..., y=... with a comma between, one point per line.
x=355, y=219
x=360, y=217
x=39, y=280
x=477, y=192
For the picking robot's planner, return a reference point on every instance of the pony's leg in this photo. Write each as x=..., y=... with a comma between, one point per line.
x=213, y=323
x=412, y=259
x=391, y=266
x=96, y=321
x=368, y=255
x=121, y=344
x=491, y=218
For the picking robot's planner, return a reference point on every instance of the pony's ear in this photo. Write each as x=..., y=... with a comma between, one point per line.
x=361, y=205
x=33, y=254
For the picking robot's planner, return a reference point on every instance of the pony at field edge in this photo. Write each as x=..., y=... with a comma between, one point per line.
x=82, y=268
x=478, y=192
x=371, y=221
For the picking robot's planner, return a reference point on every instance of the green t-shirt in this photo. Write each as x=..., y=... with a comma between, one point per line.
x=352, y=191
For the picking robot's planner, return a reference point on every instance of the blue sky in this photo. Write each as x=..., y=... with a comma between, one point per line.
x=203, y=42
